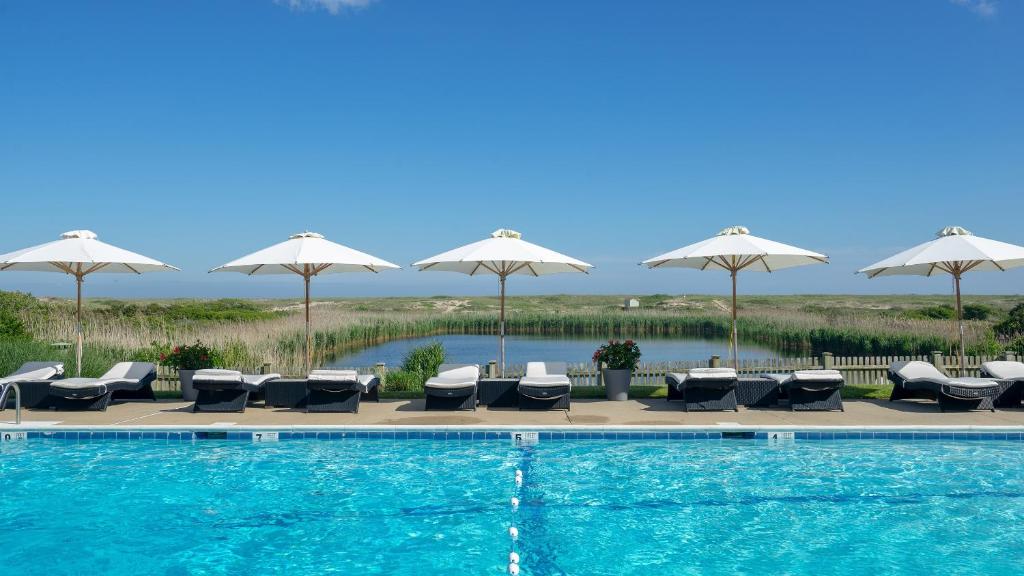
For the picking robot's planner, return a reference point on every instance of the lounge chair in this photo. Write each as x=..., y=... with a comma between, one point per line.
x=811, y=389
x=339, y=390
x=124, y=381
x=546, y=385
x=917, y=379
x=28, y=374
x=705, y=389
x=1007, y=371
x=454, y=388
x=226, y=390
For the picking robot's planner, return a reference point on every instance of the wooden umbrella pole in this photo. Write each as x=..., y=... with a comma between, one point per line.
x=501, y=329
x=309, y=340
x=960, y=320
x=735, y=335
x=78, y=313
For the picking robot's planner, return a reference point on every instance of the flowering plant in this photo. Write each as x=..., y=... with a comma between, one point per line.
x=618, y=355
x=190, y=357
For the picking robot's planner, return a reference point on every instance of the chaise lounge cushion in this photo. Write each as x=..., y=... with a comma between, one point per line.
x=362, y=382
x=232, y=378
x=918, y=371
x=798, y=376
x=33, y=375
x=697, y=375
x=545, y=374
x=451, y=376
x=122, y=376
x=1004, y=370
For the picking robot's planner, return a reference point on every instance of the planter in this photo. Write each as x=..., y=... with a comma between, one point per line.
x=616, y=384
x=188, y=393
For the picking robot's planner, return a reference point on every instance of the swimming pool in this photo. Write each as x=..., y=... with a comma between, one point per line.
x=423, y=506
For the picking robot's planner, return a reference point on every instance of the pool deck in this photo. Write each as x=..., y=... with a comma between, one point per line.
x=641, y=413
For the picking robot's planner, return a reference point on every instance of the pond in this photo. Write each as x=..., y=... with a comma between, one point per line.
x=479, y=349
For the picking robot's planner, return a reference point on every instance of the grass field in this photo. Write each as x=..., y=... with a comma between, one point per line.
x=252, y=332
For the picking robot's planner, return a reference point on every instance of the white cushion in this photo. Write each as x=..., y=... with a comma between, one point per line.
x=816, y=376
x=218, y=375
x=259, y=379
x=30, y=376
x=546, y=368
x=918, y=370
x=710, y=374
x=465, y=372
x=973, y=382
x=333, y=375
x=549, y=380
x=1004, y=370
x=675, y=378
x=445, y=382
x=79, y=383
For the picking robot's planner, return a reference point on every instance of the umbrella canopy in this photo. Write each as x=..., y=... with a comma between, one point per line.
x=503, y=254
x=307, y=254
x=735, y=249
x=79, y=253
x=954, y=251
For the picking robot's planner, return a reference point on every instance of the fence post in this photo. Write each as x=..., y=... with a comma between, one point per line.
x=265, y=369
x=1009, y=356
x=828, y=361
x=600, y=373
x=937, y=360
x=379, y=370
x=492, y=369
x=715, y=361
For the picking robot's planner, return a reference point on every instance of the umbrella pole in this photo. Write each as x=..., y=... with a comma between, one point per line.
x=735, y=335
x=960, y=320
x=501, y=329
x=78, y=315
x=309, y=340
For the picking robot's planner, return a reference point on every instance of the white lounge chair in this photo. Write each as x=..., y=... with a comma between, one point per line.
x=124, y=381
x=1007, y=371
x=704, y=389
x=220, y=390
x=339, y=390
x=917, y=379
x=29, y=372
x=812, y=389
x=546, y=385
x=454, y=388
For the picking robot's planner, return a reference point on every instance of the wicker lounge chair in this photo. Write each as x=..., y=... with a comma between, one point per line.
x=454, y=388
x=124, y=381
x=705, y=389
x=545, y=386
x=30, y=373
x=226, y=390
x=339, y=390
x=919, y=379
x=812, y=389
x=1011, y=373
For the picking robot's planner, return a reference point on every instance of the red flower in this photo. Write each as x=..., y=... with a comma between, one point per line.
x=203, y=357
x=177, y=349
x=163, y=357
x=629, y=342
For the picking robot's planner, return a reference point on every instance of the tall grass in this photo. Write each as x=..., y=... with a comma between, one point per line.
x=279, y=339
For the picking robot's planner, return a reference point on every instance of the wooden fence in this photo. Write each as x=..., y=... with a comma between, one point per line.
x=857, y=370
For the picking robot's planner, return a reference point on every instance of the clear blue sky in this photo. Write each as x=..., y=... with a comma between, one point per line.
x=195, y=131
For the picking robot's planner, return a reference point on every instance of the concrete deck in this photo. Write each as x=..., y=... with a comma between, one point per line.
x=584, y=412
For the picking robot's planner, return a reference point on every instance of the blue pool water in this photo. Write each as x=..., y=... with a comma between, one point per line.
x=442, y=507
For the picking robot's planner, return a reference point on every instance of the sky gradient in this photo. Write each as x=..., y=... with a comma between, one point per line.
x=196, y=131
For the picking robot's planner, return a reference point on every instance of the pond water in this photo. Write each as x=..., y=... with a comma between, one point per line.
x=479, y=349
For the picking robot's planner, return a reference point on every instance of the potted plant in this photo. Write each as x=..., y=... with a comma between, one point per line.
x=617, y=361
x=186, y=360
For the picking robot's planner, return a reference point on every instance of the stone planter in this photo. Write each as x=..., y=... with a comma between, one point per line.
x=188, y=393
x=616, y=384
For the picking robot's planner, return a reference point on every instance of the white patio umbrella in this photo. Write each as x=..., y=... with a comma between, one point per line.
x=503, y=254
x=735, y=249
x=307, y=254
x=954, y=251
x=79, y=254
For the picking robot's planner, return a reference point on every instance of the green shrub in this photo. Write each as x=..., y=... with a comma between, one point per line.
x=403, y=381
x=424, y=360
x=977, y=312
x=1013, y=325
x=942, y=312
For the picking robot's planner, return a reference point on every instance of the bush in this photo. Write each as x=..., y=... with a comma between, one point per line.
x=424, y=360
x=11, y=304
x=403, y=381
x=197, y=356
x=1013, y=325
x=976, y=312
x=941, y=312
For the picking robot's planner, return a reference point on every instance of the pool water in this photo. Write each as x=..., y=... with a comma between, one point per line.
x=442, y=507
